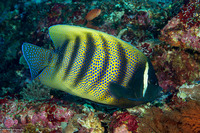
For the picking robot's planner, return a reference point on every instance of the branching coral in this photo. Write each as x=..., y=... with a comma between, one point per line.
x=185, y=119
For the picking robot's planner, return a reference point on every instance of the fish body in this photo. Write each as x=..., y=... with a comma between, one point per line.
x=95, y=66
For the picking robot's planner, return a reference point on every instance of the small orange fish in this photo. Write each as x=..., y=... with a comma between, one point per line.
x=93, y=14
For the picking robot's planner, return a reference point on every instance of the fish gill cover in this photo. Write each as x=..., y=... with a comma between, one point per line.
x=167, y=32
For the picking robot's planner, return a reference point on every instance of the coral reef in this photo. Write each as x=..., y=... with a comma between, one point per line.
x=35, y=91
x=84, y=123
x=122, y=129
x=31, y=107
x=184, y=119
x=21, y=113
x=33, y=128
x=121, y=121
x=183, y=29
x=174, y=67
x=190, y=91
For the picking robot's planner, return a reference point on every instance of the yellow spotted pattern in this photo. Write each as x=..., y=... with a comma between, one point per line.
x=108, y=59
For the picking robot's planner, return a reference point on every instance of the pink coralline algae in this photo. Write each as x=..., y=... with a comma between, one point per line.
x=146, y=48
x=141, y=18
x=118, y=119
x=77, y=15
x=54, y=17
x=122, y=129
x=9, y=122
x=183, y=30
x=174, y=67
x=17, y=114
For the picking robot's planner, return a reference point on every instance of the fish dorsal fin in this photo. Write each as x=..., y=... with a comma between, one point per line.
x=36, y=57
x=64, y=33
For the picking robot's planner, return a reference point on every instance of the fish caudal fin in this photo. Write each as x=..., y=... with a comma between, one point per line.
x=36, y=57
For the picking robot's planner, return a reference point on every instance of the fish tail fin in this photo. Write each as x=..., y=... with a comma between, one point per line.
x=36, y=57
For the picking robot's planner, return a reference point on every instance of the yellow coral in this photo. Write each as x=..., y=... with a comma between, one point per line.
x=88, y=121
x=191, y=91
x=92, y=122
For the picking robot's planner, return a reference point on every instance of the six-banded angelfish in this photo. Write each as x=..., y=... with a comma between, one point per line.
x=93, y=65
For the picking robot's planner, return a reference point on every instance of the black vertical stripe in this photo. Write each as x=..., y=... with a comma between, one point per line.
x=105, y=62
x=61, y=54
x=106, y=59
x=73, y=57
x=90, y=49
x=123, y=64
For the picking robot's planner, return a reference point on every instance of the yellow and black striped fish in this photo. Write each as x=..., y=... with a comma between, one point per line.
x=93, y=65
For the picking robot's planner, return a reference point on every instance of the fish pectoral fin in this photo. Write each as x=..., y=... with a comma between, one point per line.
x=119, y=91
x=116, y=90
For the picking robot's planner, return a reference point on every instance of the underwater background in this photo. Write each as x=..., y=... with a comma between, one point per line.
x=166, y=31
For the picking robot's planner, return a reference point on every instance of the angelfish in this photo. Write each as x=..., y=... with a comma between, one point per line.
x=93, y=65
